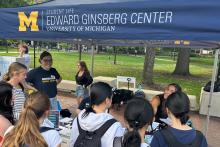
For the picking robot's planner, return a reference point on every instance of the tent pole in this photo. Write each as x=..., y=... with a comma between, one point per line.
x=34, y=54
x=214, y=74
x=92, y=58
x=80, y=51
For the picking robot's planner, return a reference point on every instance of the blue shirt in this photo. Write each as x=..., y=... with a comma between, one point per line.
x=183, y=136
x=44, y=80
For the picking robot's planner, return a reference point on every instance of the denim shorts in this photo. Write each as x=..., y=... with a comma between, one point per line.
x=81, y=91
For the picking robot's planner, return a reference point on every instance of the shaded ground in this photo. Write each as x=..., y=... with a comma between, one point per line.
x=213, y=136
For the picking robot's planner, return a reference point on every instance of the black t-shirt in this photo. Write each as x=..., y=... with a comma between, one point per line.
x=44, y=80
x=85, y=103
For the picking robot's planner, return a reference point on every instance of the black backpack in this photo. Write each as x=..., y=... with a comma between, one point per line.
x=92, y=139
x=171, y=140
x=207, y=87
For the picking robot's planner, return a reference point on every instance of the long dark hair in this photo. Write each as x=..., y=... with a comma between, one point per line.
x=179, y=105
x=26, y=48
x=6, y=108
x=177, y=87
x=138, y=113
x=99, y=92
x=84, y=66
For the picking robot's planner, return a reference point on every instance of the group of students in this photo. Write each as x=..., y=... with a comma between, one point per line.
x=29, y=130
x=139, y=115
x=23, y=118
x=21, y=114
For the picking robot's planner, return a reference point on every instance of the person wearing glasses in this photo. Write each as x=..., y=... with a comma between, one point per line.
x=45, y=78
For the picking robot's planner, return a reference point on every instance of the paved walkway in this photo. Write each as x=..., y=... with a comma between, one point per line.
x=199, y=121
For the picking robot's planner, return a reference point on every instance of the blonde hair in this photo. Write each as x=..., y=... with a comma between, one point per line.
x=14, y=67
x=26, y=131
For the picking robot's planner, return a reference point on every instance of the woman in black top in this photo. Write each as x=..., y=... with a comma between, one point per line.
x=83, y=80
x=158, y=102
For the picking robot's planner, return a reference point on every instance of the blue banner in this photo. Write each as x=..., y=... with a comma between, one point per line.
x=149, y=20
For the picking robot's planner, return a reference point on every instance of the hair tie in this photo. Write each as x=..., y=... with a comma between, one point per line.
x=29, y=107
x=136, y=124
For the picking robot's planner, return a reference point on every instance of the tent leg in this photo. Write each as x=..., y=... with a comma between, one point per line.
x=80, y=51
x=92, y=58
x=34, y=54
x=214, y=74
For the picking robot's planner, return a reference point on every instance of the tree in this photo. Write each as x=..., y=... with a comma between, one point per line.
x=99, y=49
x=13, y=3
x=149, y=66
x=182, y=64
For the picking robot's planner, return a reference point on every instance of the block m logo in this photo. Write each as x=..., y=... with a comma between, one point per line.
x=25, y=22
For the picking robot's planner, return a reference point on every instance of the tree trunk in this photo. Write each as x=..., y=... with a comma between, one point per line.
x=149, y=66
x=99, y=49
x=182, y=64
x=115, y=53
x=6, y=44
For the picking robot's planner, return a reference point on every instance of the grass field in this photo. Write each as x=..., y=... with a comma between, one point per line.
x=200, y=68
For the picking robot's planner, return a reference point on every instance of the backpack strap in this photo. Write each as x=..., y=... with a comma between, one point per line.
x=117, y=142
x=101, y=131
x=79, y=128
x=45, y=129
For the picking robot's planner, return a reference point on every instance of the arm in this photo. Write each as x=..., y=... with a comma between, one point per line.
x=21, y=54
x=59, y=80
x=78, y=111
x=27, y=86
x=155, y=102
x=58, y=77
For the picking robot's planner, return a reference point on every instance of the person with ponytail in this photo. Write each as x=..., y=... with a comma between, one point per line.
x=16, y=77
x=138, y=115
x=179, y=133
x=27, y=130
x=95, y=116
x=6, y=111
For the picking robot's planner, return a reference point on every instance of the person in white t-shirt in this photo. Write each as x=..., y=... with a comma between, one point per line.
x=51, y=136
x=23, y=52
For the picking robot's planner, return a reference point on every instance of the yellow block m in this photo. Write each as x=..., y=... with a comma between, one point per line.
x=32, y=20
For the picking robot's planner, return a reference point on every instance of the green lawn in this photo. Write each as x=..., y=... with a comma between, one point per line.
x=200, y=68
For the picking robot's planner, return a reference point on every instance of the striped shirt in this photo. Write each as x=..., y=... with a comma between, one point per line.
x=19, y=98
